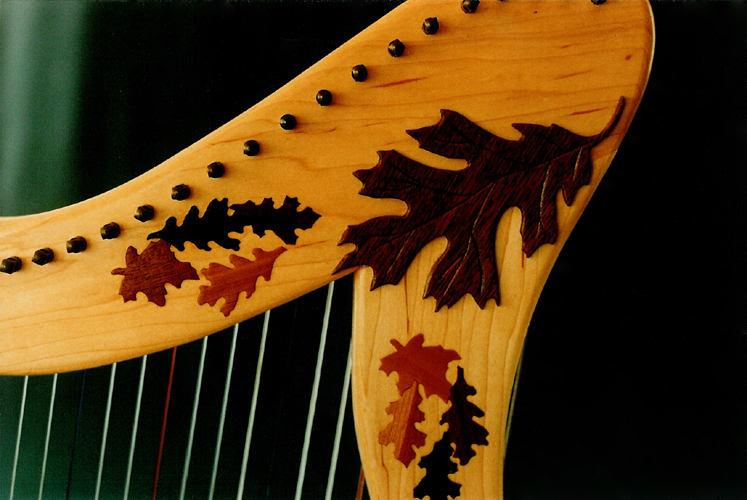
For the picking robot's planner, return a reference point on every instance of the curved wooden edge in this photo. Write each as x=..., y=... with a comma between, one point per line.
x=612, y=47
x=74, y=313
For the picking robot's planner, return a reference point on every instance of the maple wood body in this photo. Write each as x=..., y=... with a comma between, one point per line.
x=540, y=63
x=563, y=63
x=69, y=314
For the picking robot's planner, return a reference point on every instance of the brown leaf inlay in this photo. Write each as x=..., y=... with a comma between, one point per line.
x=150, y=271
x=401, y=430
x=229, y=282
x=466, y=205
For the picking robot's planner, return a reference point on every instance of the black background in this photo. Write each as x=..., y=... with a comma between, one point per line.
x=634, y=380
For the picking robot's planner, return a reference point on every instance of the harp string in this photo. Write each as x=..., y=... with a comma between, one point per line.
x=314, y=391
x=224, y=405
x=84, y=431
x=163, y=426
x=193, y=420
x=48, y=434
x=105, y=432
x=75, y=436
x=340, y=420
x=136, y=418
x=18, y=437
x=253, y=409
x=361, y=484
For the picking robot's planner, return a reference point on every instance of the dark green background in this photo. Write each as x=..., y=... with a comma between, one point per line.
x=634, y=382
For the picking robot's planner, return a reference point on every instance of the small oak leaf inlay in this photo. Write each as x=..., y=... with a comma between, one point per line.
x=283, y=221
x=401, y=430
x=436, y=484
x=465, y=206
x=228, y=283
x=424, y=365
x=463, y=430
x=150, y=271
x=216, y=224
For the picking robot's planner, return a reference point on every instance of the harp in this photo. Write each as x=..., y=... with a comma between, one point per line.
x=602, y=117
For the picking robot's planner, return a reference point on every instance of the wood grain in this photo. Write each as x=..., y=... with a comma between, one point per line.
x=563, y=63
x=69, y=315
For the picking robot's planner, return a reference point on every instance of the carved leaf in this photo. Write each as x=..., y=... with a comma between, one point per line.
x=150, y=271
x=436, y=484
x=463, y=430
x=401, y=430
x=228, y=283
x=465, y=206
x=216, y=224
x=424, y=365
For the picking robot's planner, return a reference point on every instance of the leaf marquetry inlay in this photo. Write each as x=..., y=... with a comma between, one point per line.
x=466, y=205
x=216, y=223
x=150, y=271
x=228, y=283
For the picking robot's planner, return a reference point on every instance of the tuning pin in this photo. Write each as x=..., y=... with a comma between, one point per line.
x=396, y=48
x=287, y=122
x=430, y=26
x=144, y=213
x=216, y=169
x=76, y=245
x=43, y=256
x=470, y=6
x=324, y=97
x=180, y=192
x=110, y=231
x=10, y=265
x=251, y=148
x=360, y=73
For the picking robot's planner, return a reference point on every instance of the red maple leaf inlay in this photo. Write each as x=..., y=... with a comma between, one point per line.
x=425, y=365
x=150, y=271
x=465, y=206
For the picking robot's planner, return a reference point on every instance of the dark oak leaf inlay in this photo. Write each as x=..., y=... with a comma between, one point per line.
x=436, y=483
x=425, y=365
x=216, y=223
x=401, y=431
x=463, y=430
x=465, y=206
x=282, y=221
x=151, y=270
x=228, y=283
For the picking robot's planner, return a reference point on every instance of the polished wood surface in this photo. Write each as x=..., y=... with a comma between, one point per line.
x=561, y=63
x=69, y=314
